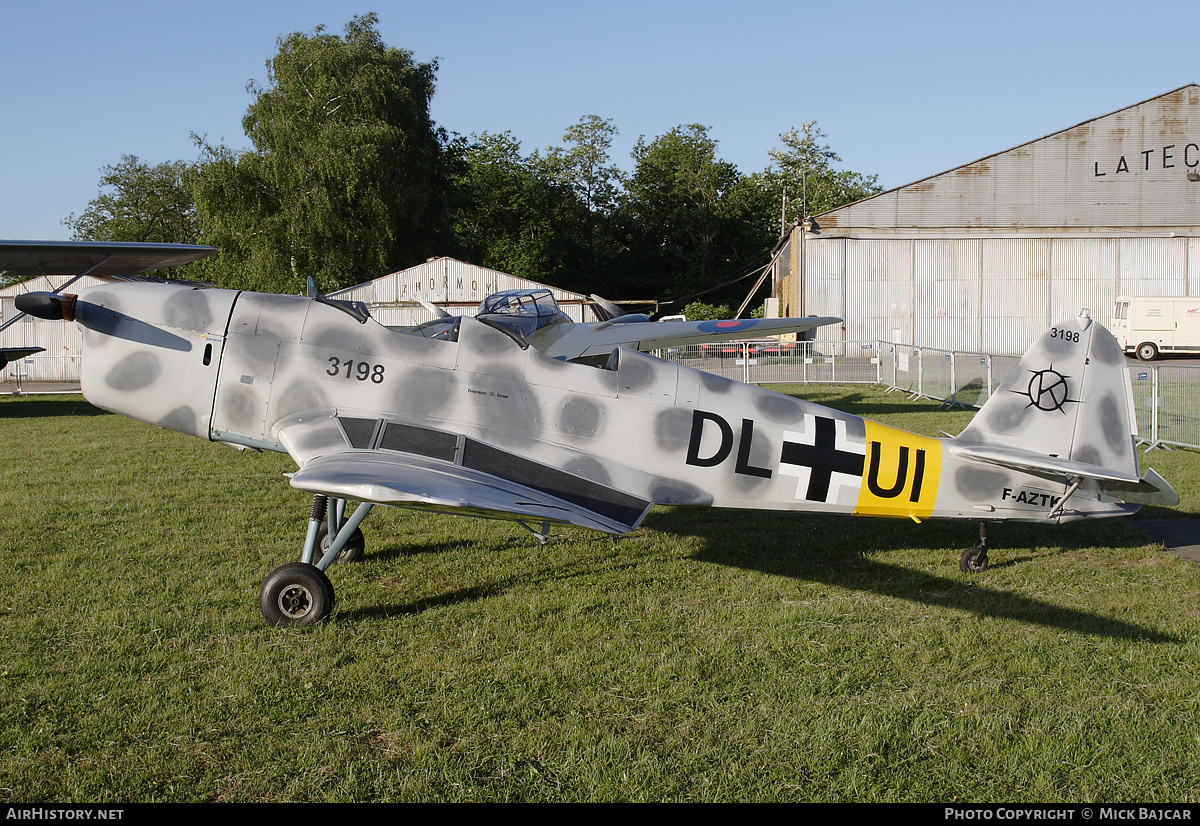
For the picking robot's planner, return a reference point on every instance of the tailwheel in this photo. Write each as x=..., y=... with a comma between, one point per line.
x=974, y=560
x=353, y=552
x=296, y=594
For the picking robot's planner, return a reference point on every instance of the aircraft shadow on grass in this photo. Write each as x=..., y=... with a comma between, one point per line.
x=802, y=550
x=825, y=549
x=49, y=408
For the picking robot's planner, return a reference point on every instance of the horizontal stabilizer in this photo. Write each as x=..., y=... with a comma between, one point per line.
x=1150, y=489
x=1051, y=467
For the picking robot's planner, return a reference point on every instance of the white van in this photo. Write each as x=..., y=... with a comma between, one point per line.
x=1150, y=326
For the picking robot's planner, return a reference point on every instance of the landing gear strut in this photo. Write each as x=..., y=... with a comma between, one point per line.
x=974, y=560
x=299, y=593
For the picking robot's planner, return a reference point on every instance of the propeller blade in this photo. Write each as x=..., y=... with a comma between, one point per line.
x=606, y=308
x=50, y=306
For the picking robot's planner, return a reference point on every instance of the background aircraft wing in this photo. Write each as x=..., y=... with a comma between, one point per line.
x=27, y=259
x=429, y=484
x=583, y=341
x=11, y=354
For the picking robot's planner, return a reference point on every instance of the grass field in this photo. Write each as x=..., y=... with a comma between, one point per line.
x=714, y=656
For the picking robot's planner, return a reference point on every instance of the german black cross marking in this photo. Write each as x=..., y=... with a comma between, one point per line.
x=823, y=458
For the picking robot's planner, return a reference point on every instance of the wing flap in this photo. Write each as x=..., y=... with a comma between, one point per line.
x=405, y=480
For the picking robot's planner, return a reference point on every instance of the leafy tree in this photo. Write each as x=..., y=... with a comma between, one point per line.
x=699, y=311
x=505, y=208
x=685, y=215
x=139, y=202
x=346, y=179
x=802, y=171
x=585, y=166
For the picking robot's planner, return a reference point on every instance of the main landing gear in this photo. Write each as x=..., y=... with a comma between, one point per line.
x=974, y=560
x=299, y=593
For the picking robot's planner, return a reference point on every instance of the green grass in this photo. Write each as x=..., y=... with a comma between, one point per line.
x=708, y=656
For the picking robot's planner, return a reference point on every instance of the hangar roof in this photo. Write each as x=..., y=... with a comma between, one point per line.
x=1131, y=171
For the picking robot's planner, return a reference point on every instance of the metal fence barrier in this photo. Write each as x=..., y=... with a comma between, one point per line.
x=1166, y=397
x=41, y=373
x=783, y=362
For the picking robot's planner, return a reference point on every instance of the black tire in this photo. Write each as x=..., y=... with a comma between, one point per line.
x=1147, y=351
x=973, y=560
x=296, y=594
x=353, y=551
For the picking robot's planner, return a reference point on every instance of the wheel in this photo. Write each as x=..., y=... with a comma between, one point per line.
x=973, y=560
x=353, y=551
x=1147, y=351
x=296, y=594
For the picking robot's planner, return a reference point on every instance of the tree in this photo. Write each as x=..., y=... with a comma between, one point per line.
x=801, y=176
x=505, y=208
x=139, y=202
x=699, y=311
x=346, y=179
x=585, y=167
x=684, y=213
x=584, y=227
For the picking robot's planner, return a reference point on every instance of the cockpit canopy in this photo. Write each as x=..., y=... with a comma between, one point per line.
x=518, y=313
x=539, y=304
x=521, y=313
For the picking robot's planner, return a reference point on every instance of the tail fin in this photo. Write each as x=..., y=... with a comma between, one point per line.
x=1068, y=400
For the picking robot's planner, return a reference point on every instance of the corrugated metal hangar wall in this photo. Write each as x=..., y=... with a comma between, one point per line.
x=986, y=256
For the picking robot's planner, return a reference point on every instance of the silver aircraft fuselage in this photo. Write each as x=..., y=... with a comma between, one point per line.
x=358, y=406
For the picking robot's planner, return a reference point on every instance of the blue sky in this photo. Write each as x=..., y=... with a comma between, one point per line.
x=903, y=90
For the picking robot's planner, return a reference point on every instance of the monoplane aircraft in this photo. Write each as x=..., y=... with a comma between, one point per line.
x=477, y=422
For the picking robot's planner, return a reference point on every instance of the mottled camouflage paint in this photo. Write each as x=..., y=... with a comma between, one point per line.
x=282, y=371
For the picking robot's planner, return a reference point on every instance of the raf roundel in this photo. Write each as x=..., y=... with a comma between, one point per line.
x=727, y=326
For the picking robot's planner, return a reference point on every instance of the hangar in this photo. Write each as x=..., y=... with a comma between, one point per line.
x=984, y=257
x=398, y=299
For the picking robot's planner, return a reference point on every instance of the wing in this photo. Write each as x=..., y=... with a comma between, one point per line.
x=26, y=259
x=414, y=467
x=584, y=340
x=11, y=354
